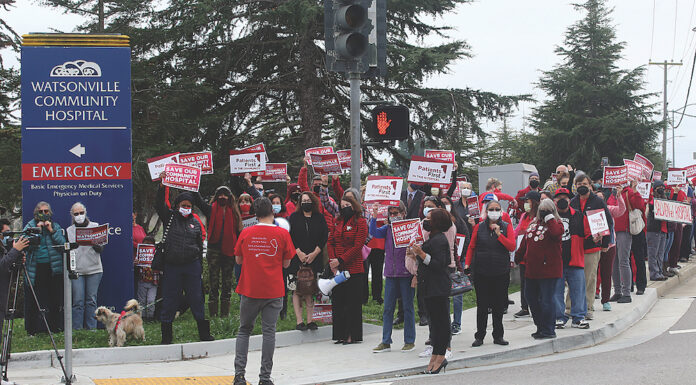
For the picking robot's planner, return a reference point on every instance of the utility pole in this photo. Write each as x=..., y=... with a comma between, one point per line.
x=354, y=79
x=665, y=120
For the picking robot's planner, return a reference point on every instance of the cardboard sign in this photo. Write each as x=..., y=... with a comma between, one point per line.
x=634, y=170
x=676, y=176
x=247, y=161
x=92, y=236
x=275, y=172
x=144, y=254
x=434, y=172
x=202, y=160
x=406, y=231
x=691, y=171
x=156, y=164
x=317, y=150
x=657, y=175
x=598, y=222
x=325, y=164
x=344, y=157
x=256, y=148
x=643, y=189
x=473, y=206
x=248, y=222
x=615, y=176
x=385, y=190
x=672, y=211
x=459, y=243
x=182, y=177
x=443, y=155
x=322, y=312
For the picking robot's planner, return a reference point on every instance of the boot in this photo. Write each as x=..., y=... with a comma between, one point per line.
x=166, y=333
x=213, y=309
x=203, y=330
x=225, y=308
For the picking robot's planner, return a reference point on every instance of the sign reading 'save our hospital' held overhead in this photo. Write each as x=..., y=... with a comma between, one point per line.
x=76, y=141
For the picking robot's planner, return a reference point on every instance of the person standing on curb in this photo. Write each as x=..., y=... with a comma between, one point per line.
x=622, y=275
x=263, y=250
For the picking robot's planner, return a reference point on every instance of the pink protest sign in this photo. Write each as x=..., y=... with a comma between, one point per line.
x=317, y=150
x=344, y=158
x=275, y=172
x=634, y=170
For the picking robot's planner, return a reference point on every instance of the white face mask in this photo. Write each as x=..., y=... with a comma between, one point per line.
x=527, y=207
x=80, y=219
x=184, y=211
x=426, y=210
x=277, y=208
x=494, y=215
x=434, y=191
x=466, y=192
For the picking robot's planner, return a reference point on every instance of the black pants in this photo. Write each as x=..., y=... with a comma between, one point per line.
x=440, y=329
x=375, y=261
x=182, y=278
x=523, y=297
x=491, y=292
x=346, y=305
x=49, y=292
x=686, y=242
x=639, y=248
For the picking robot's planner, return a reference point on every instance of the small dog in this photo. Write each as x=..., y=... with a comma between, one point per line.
x=119, y=326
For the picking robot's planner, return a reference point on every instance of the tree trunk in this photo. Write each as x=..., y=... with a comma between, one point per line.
x=309, y=95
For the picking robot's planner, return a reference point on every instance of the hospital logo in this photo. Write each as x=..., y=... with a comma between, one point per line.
x=77, y=68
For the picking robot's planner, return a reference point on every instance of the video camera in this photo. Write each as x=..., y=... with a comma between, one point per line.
x=32, y=234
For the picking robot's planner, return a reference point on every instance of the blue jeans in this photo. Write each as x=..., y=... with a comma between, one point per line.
x=394, y=288
x=540, y=297
x=668, y=245
x=575, y=276
x=457, y=304
x=84, y=301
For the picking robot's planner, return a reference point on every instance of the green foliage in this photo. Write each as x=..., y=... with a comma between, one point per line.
x=594, y=109
x=11, y=188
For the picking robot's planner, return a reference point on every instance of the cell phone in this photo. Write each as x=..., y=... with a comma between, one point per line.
x=605, y=161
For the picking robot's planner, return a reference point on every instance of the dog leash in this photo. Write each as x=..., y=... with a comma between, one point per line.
x=124, y=314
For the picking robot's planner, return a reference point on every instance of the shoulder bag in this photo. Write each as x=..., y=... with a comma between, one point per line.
x=635, y=219
x=158, y=258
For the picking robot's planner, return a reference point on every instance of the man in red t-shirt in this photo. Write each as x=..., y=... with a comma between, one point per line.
x=263, y=250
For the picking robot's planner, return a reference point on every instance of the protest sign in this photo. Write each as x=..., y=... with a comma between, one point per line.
x=672, y=211
x=657, y=175
x=182, y=177
x=250, y=221
x=406, y=231
x=691, y=171
x=615, y=176
x=92, y=236
x=598, y=222
x=434, y=172
x=473, y=206
x=202, y=160
x=676, y=176
x=382, y=212
x=648, y=166
x=156, y=164
x=459, y=243
x=317, y=150
x=643, y=189
x=256, y=148
x=247, y=161
x=344, y=158
x=325, y=164
x=322, y=312
x=275, y=172
x=144, y=254
x=634, y=170
x=385, y=190
x=444, y=155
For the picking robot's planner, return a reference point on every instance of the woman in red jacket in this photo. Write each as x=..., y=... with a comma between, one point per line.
x=540, y=250
x=345, y=253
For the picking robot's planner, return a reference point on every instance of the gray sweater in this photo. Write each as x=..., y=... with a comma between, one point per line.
x=88, y=259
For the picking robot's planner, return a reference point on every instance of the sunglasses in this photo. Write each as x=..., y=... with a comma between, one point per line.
x=494, y=209
x=78, y=213
x=45, y=211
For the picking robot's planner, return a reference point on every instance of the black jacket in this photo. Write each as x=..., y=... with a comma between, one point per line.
x=6, y=262
x=184, y=243
x=491, y=258
x=434, y=277
x=307, y=234
x=653, y=225
x=577, y=224
x=413, y=211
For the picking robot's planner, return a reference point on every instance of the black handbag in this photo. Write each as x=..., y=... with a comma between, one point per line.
x=158, y=258
x=461, y=283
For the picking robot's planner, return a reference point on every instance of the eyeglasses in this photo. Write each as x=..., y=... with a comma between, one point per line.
x=78, y=213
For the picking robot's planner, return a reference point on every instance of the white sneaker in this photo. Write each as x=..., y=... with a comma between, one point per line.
x=427, y=352
x=448, y=354
x=674, y=270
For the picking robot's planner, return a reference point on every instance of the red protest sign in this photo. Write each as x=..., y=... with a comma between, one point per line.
x=92, y=236
x=434, y=172
x=317, y=150
x=385, y=190
x=322, y=312
x=256, y=148
x=382, y=211
x=202, y=160
x=648, y=166
x=182, y=177
x=275, y=172
x=344, y=158
x=144, y=255
x=325, y=164
x=247, y=161
x=657, y=175
x=156, y=164
x=407, y=231
x=598, y=222
x=691, y=171
x=473, y=206
x=634, y=170
x=615, y=176
x=444, y=155
x=672, y=211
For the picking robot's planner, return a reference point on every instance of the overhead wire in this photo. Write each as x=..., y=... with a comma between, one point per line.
x=652, y=34
x=687, y=48
x=674, y=36
x=688, y=92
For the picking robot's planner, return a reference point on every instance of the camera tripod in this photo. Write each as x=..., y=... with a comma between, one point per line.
x=7, y=328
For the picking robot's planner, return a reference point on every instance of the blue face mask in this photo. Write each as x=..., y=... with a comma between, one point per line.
x=277, y=208
x=6, y=240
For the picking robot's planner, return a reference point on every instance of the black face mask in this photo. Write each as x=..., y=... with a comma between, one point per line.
x=582, y=190
x=316, y=188
x=222, y=201
x=295, y=196
x=347, y=212
x=562, y=204
x=660, y=191
x=306, y=206
x=427, y=226
x=534, y=183
x=544, y=213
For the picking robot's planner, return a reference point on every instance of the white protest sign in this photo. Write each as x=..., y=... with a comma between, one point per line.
x=385, y=190
x=643, y=189
x=434, y=172
x=672, y=211
x=676, y=176
x=598, y=222
x=156, y=164
x=243, y=161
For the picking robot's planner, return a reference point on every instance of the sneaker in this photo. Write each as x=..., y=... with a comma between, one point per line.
x=615, y=297
x=640, y=292
x=312, y=326
x=448, y=354
x=596, y=296
x=581, y=325
x=408, y=348
x=521, y=313
x=427, y=352
x=456, y=329
x=674, y=270
x=606, y=306
x=589, y=316
x=240, y=380
x=266, y=382
x=382, y=348
x=560, y=324
x=624, y=299
x=301, y=326
x=659, y=279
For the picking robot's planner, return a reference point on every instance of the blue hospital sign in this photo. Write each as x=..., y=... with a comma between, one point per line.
x=76, y=145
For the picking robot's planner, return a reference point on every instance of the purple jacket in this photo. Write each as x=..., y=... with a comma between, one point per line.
x=394, y=258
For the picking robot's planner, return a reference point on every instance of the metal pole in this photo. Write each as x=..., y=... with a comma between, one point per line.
x=664, y=117
x=674, y=160
x=354, y=79
x=67, y=319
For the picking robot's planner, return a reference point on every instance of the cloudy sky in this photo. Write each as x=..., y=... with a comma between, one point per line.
x=513, y=40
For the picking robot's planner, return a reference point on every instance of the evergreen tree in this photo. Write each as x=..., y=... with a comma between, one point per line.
x=594, y=109
x=11, y=188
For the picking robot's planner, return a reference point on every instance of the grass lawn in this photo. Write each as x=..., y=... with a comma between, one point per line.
x=185, y=328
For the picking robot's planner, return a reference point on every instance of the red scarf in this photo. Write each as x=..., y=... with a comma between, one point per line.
x=215, y=228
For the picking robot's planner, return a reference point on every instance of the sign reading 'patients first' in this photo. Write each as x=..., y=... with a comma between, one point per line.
x=76, y=141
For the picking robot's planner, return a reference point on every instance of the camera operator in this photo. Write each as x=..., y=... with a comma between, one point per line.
x=11, y=254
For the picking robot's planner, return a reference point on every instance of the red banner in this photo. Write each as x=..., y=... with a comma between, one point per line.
x=322, y=312
x=691, y=171
x=634, y=170
x=407, y=231
x=325, y=164
x=473, y=206
x=648, y=166
x=75, y=171
x=92, y=236
x=182, y=177
x=202, y=160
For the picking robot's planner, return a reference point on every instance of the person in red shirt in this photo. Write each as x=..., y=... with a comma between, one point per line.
x=534, y=185
x=263, y=250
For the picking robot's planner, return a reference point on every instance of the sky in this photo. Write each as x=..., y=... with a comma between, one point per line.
x=512, y=41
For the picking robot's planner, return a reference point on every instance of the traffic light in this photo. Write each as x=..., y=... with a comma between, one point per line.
x=347, y=28
x=390, y=123
x=377, y=52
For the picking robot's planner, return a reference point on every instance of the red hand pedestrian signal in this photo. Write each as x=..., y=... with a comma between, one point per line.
x=382, y=123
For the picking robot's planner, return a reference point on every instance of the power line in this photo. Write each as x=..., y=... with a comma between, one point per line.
x=687, y=48
x=674, y=36
x=688, y=91
x=652, y=34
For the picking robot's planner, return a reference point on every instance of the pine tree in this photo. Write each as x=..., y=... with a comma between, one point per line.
x=594, y=109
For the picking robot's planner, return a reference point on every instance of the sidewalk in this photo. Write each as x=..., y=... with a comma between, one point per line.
x=323, y=362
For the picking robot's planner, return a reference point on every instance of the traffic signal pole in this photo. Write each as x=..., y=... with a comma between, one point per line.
x=354, y=79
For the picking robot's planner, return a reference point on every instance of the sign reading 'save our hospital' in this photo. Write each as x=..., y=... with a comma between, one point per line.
x=76, y=141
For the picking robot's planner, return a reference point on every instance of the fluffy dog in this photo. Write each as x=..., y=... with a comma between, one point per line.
x=119, y=326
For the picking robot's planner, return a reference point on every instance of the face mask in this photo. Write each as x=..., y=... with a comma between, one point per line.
x=276, y=209
x=184, y=211
x=347, y=212
x=6, y=240
x=427, y=226
x=222, y=201
x=295, y=196
x=582, y=190
x=260, y=191
x=494, y=215
x=533, y=183
x=245, y=207
x=306, y=206
x=41, y=217
x=544, y=213
x=434, y=191
x=562, y=204
x=316, y=188
x=466, y=192
x=527, y=207
x=448, y=208
x=426, y=210
x=80, y=219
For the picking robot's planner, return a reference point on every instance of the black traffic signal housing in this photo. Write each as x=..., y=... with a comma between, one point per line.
x=390, y=123
x=347, y=28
